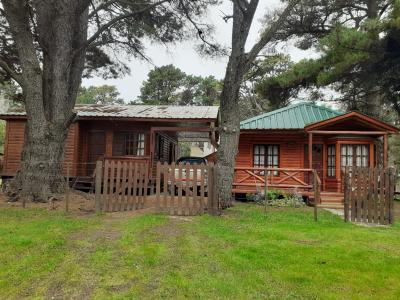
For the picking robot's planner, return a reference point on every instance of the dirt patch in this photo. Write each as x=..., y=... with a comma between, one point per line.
x=77, y=202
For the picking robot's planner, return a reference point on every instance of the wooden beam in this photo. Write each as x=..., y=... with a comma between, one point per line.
x=310, y=141
x=185, y=128
x=349, y=132
x=385, y=151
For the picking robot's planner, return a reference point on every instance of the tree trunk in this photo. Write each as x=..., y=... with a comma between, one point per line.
x=50, y=84
x=40, y=175
x=229, y=141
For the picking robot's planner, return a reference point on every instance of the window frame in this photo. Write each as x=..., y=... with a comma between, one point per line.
x=133, y=143
x=331, y=161
x=267, y=155
x=354, y=156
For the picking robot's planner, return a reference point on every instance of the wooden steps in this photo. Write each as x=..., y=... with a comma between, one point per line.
x=331, y=200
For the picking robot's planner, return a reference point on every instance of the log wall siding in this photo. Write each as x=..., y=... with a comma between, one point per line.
x=15, y=133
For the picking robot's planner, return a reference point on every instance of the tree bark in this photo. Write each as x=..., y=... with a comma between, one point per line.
x=50, y=84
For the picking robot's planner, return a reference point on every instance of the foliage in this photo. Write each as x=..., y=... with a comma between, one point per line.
x=168, y=85
x=104, y=94
x=184, y=149
x=243, y=254
x=359, y=47
x=277, y=198
x=256, y=98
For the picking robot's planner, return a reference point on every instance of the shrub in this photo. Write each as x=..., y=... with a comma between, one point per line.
x=277, y=198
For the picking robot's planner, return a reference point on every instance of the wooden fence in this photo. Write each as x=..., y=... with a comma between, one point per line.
x=185, y=189
x=369, y=195
x=121, y=186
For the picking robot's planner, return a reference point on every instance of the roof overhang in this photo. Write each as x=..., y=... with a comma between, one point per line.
x=374, y=124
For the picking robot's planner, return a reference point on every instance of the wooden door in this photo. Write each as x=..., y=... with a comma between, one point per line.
x=96, y=148
x=317, y=159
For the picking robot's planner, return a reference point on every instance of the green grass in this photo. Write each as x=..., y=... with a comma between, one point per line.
x=244, y=254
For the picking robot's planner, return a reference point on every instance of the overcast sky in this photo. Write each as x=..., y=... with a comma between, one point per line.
x=184, y=56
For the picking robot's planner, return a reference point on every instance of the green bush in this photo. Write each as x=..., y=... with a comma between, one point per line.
x=277, y=198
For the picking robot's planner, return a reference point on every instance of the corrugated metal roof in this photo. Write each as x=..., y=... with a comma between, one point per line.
x=295, y=116
x=140, y=111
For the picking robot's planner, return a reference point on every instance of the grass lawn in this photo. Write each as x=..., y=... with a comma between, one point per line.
x=244, y=254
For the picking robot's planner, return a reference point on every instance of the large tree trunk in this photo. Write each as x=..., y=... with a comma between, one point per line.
x=229, y=141
x=40, y=173
x=50, y=84
x=230, y=120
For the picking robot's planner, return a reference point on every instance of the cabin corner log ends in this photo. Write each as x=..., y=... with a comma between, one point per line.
x=177, y=189
x=369, y=195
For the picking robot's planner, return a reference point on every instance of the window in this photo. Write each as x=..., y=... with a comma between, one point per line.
x=128, y=143
x=354, y=155
x=266, y=156
x=331, y=160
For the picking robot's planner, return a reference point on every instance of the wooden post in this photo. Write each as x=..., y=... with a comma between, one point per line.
x=310, y=142
x=67, y=190
x=385, y=151
x=315, y=195
x=265, y=190
x=392, y=183
x=158, y=186
x=97, y=195
x=346, y=194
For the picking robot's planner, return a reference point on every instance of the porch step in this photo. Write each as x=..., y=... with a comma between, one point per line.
x=330, y=205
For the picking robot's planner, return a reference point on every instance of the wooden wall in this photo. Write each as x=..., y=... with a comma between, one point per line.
x=14, y=141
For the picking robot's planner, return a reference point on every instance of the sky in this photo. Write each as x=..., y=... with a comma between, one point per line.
x=184, y=56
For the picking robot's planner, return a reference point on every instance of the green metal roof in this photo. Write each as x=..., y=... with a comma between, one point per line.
x=295, y=116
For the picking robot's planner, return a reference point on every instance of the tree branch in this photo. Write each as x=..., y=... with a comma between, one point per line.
x=11, y=72
x=269, y=33
x=112, y=22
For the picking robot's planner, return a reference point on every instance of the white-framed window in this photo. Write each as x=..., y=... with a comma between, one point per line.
x=331, y=163
x=266, y=156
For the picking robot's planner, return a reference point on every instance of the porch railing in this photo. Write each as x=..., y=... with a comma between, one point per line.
x=249, y=179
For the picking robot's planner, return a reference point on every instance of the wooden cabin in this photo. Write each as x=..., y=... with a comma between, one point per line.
x=294, y=141
x=140, y=133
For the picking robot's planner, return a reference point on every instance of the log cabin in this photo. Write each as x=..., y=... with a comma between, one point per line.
x=141, y=133
x=302, y=139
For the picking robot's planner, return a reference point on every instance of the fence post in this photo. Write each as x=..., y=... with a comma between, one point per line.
x=346, y=194
x=211, y=190
x=315, y=195
x=97, y=196
x=265, y=190
x=67, y=190
x=392, y=185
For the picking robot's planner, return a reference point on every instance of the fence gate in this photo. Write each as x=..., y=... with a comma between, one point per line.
x=184, y=189
x=369, y=194
x=121, y=186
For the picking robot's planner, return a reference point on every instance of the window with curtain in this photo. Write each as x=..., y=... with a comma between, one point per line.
x=331, y=160
x=128, y=143
x=266, y=156
x=354, y=155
